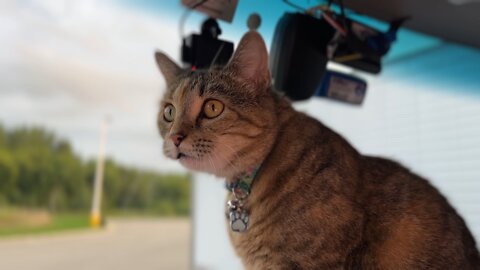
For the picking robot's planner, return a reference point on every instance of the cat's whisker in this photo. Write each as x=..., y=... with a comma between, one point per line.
x=236, y=156
x=212, y=162
x=230, y=163
x=218, y=156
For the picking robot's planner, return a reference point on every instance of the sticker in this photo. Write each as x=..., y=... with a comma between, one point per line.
x=347, y=90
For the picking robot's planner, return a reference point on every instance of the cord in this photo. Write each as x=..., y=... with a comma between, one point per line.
x=294, y=5
x=344, y=18
x=216, y=55
x=183, y=19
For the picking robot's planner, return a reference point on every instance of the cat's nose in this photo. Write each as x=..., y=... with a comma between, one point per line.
x=177, y=138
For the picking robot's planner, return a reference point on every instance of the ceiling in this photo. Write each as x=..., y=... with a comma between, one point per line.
x=452, y=20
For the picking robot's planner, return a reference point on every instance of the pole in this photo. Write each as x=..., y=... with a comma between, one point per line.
x=96, y=216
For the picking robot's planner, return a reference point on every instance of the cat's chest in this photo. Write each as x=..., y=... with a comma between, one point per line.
x=254, y=249
x=261, y=245
x=287, y=232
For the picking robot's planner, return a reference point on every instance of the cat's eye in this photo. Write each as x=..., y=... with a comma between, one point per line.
x=169, y=113
x=213, y=108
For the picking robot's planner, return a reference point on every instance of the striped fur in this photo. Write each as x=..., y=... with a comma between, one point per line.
x=316, y=203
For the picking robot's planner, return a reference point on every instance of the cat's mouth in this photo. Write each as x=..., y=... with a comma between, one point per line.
x=188, y=161
x=182, y=156
x=196, y=162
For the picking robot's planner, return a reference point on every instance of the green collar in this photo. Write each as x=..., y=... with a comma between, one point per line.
x=242, y=185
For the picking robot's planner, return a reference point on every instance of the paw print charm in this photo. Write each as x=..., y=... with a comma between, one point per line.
x=238, y=221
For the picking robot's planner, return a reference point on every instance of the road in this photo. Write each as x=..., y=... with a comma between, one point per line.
x=125, y=244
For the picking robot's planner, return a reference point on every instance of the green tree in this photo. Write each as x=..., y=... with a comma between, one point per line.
x=8, y=177
x=37, y=169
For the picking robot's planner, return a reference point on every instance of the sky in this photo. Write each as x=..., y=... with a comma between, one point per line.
x=67, y=65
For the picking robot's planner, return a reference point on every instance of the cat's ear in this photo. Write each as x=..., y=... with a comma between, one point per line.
x=250, y=61
x=169, y=69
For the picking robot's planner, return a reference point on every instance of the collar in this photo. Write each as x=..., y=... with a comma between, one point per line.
x=240, y=187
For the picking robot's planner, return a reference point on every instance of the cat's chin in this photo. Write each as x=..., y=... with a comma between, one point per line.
x=189, y=162
x=194, y=164
x=201, y=165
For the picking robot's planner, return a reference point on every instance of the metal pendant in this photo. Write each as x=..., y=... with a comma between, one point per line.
x=238, y=220
x=237, y=215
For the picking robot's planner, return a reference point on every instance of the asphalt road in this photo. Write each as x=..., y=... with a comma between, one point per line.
x=125, y=244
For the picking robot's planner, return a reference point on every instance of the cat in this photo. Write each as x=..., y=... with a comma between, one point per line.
x=315, y=202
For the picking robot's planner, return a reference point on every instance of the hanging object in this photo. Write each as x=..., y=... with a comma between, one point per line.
x=305, y=42
x=219, y=9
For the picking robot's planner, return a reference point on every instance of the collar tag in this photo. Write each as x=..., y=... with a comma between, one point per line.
x=240, y=189
x=238, y=220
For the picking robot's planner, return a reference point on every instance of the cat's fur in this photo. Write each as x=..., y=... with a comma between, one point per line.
x=316, y=202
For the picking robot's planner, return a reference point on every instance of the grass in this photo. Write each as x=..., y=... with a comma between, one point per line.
x=21, y=221
x=60, y=222
x=127, y=213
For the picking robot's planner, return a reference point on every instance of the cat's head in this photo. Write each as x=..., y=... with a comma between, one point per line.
x=220, y=121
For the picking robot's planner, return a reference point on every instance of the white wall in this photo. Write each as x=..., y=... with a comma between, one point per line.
x=211, y=247
x=415, y=114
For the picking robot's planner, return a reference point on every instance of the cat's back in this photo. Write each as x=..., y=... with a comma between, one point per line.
x=409, y=223
x=319, y=204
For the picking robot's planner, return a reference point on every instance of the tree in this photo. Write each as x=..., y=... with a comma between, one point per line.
x=8, y=177
x=37, y=169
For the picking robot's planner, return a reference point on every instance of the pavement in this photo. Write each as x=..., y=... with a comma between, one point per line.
x=125, y=244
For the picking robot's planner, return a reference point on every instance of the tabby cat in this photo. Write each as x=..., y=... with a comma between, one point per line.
x=315, y=202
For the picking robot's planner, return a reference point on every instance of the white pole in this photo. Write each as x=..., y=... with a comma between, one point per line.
x=96, y=216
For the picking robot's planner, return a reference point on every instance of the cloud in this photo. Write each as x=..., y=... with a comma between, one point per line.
x=67, y=64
